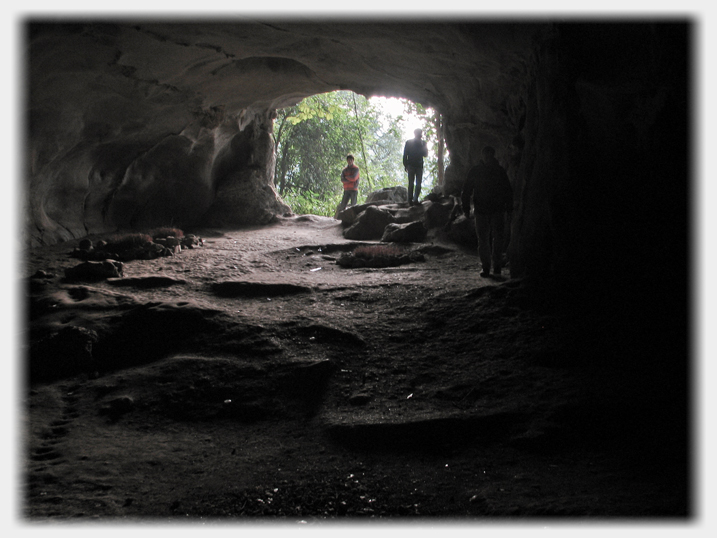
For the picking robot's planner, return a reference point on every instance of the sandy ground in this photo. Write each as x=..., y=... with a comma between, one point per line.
x=259, y=379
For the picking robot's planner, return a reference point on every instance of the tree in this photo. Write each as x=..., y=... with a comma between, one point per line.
x=360, y=125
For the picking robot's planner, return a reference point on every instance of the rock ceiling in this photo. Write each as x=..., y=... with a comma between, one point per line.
x=240, y=65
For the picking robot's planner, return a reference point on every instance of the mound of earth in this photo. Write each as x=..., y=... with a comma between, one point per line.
x=255, y=377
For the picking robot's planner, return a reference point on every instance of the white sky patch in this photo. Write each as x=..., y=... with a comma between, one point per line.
x=394, y=108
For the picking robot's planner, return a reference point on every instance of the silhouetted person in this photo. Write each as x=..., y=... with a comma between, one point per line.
x=350, y=178
x=413, y=153
x=492, y=195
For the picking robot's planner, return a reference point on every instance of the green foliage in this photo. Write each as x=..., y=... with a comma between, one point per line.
x=313, y=138
x=309, y=109
x=312, y=203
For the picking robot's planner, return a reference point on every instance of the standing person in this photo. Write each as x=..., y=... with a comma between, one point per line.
x=413, y=153
x=492, y=198
x=350, y=178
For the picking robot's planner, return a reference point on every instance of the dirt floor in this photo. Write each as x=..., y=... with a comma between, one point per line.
x=259, y=379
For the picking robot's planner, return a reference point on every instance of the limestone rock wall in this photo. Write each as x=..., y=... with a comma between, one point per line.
x=243, y=174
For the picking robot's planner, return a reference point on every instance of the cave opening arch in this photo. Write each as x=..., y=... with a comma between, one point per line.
x=313, y=138
x=149, y=110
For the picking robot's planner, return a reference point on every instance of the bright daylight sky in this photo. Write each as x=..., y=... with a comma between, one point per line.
x=394, y=107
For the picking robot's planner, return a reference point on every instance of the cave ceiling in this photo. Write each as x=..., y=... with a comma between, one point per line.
x=123, y=75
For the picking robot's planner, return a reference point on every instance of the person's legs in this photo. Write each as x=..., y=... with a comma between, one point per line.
x=345, y=200
x=353, y=197
x=411, y=179
x=483, y=232
x=497, y=225
x=419, y=177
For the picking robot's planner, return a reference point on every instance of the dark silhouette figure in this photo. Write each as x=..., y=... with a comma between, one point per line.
x=413, y=153
x=492, y=195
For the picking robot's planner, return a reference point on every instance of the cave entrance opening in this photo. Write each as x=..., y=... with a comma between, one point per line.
x=313, y=138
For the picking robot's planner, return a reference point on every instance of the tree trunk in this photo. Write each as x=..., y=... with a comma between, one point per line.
x=363, y=149
x=281, y=167
x=439, y=126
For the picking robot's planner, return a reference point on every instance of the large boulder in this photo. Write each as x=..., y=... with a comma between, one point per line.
x=463, y=232
x=91, y=270
x=404, y=213
x=412, y=232
x=369, y=224
x=64, y=353
x=438, y=212
x=389, y=195
x=349, y=215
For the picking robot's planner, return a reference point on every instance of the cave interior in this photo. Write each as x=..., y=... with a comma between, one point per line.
x=132, y=124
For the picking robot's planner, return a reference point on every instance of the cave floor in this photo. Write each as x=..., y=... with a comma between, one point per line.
x=401, y=393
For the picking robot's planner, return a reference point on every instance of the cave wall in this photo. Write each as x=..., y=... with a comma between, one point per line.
x=602, y=225
x=120, y=135
x=243, y=172
x=604, y=176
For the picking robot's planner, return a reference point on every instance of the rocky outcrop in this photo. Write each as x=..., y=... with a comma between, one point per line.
x=403, y=223
x=463, y=231
x=243, y=174
x=412, y=232
x=95, y=270
x=389, y=195
x=369, y=224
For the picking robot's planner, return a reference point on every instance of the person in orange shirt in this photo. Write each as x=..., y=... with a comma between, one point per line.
x=350, y=178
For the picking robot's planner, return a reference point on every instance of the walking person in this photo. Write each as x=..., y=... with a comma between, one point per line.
x=413, y=153
x=350, y=179
x=488, y=185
